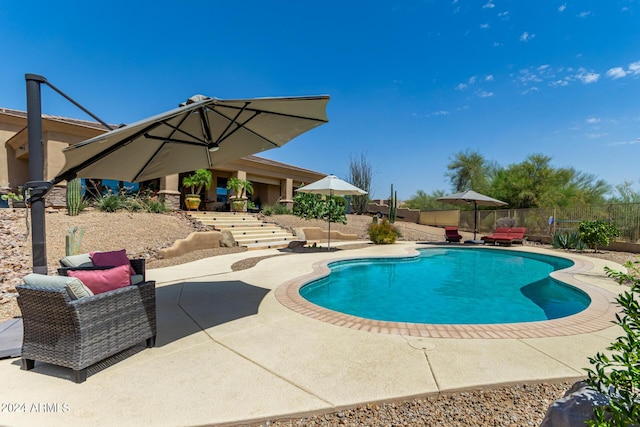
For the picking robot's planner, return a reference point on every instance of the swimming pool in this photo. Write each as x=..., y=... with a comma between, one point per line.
x=449, y=286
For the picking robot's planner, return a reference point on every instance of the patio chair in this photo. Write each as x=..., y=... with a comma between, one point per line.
x=451, y=234
x=66, y=325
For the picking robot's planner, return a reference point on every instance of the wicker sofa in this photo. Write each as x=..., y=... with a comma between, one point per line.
x=77, y=333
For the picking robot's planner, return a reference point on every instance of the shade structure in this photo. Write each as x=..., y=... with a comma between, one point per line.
x=331, y=185
x=202, y=133
x=468, y=197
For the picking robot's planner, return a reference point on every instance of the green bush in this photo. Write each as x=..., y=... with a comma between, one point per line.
x=597, y=233
x=618, y=376
x=314, y=206
x=110, y=203
x=383, y=232
x=155, y=205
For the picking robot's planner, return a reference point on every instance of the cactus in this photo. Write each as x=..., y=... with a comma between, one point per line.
x=74, y=196
x=72, y=241
x=393, y=206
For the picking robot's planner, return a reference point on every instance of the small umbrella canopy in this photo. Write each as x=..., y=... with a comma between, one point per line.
x=471, y=196
x=202, y=133
x=333, y=186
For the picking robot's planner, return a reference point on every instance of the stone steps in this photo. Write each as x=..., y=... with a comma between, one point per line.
x=246, y=229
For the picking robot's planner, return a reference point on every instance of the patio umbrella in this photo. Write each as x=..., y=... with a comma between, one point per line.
x=202, y=133
x=333, y=186
x=471, y=196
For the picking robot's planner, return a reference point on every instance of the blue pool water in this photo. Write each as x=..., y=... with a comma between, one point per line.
x=449, y=286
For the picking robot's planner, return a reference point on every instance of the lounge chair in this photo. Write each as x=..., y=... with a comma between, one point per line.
x=505, y=236
x=66, y=324
x=451, y=234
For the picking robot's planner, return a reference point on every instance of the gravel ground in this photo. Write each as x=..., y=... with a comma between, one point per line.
x=145, y=234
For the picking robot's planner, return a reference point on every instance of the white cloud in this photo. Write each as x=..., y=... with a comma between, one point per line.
x=439, y=113
x=562, y=7
x=461, y=86
x=559, y=83
x=587, y=77
x=489, y=5
x=488, y=78
x=584, y=14
x=484, y=94
x=504, y=15
x=484, y=26
x=525, y=37
x=634, y=68
x=497, y=44
x=616, y=73
x=472, y=80
x=593, y=120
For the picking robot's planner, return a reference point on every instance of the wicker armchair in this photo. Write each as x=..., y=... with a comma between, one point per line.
x=79, y=333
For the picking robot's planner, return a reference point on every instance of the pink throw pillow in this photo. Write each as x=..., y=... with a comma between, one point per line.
x=111, y=259
x=100, y=281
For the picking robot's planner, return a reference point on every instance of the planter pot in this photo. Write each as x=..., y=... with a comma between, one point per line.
x=192, y=201
x=239, y=205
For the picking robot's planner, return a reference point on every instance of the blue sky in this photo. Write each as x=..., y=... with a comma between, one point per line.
x=412, y=82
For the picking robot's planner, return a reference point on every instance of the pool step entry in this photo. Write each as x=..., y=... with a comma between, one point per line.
x=246, y=229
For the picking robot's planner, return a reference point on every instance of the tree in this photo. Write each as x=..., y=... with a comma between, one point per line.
x=468, y=171
x=360, y=175
x=535, y=183
x=424, y=202
x=626, y=194
x=597, y=233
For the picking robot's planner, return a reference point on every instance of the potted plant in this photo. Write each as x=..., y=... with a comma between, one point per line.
x=202, y=178
x=239, y=187
x=13, y=198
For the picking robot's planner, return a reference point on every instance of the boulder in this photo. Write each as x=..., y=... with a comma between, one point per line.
x=296, y=244
x=227, y=240
x=575, y=407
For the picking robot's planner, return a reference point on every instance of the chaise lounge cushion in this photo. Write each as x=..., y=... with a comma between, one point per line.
x=100, y=281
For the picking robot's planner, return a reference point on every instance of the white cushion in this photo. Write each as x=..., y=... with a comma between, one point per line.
x=75, y=288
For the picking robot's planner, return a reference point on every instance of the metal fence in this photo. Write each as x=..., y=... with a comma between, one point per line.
x=626, y=217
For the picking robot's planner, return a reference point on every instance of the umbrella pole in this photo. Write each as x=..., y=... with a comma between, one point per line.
x=329, y=219
x=475, y=219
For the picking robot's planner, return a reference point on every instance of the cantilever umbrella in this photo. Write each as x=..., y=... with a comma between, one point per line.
x=333, y=186
x=471, y=196
x=202, y=133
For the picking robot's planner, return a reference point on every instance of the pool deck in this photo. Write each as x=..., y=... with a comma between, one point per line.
x=230, y=352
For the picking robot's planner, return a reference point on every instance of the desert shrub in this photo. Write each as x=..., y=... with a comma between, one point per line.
x=155, y=205
x=597, y=233
x=617, y=376
x=568, y=240
x=382, y=232
x=110, y=203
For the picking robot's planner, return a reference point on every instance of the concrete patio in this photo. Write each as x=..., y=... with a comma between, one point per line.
x=229, y=352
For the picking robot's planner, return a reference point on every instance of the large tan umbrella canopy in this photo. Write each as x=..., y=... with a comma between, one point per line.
x=202, y=133
x=333, y=186
x=468, y=197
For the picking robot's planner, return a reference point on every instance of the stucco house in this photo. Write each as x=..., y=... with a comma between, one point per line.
x=273, y=182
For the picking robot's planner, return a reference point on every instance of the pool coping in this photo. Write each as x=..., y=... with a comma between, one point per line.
x=597, y=316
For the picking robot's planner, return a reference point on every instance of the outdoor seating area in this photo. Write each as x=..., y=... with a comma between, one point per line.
x=223, y=334
x=505, y=236
x=88, y=313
